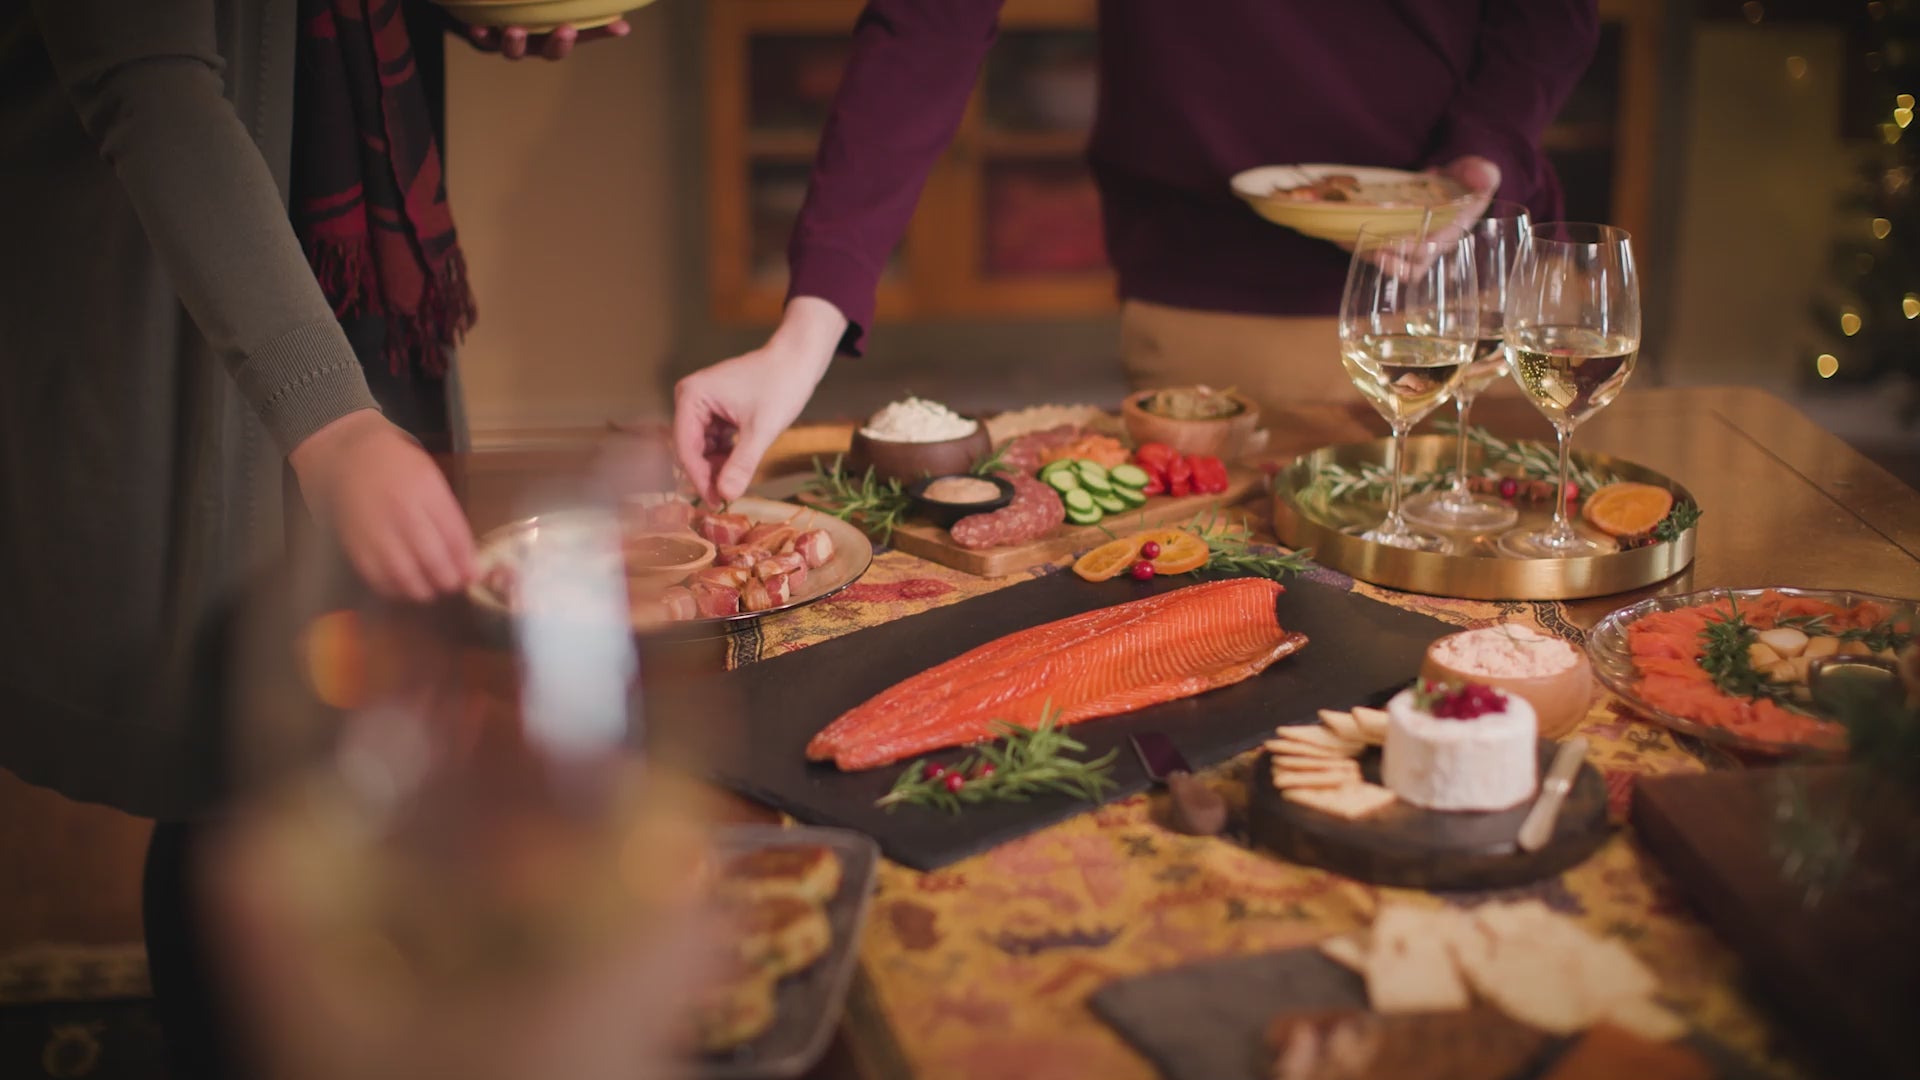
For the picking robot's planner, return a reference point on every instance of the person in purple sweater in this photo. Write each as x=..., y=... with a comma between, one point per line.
x=1190, y=94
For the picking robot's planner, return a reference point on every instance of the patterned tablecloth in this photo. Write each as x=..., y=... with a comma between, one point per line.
x=983, y=968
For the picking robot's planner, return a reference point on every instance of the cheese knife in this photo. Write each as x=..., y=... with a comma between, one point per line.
x=1537, y=829
x=1195, y=808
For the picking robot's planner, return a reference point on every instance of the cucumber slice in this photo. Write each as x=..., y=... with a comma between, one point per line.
x=1089, y=468
x=1132, y=476
x=1052, y=467
x=1130, y=496
x=1085, y=517
x=1065, y=482
x=1079, y=499
x=1093, y=477
x=1111, y=502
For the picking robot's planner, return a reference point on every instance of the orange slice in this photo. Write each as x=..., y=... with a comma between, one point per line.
x=1627, y=509
x=1181, y=552
x=1111, y=559
x=336, y=659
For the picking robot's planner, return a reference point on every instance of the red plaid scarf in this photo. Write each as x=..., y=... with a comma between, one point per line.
x=370, y=203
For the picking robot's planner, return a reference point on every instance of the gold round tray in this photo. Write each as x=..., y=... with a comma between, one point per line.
x=1304, y=517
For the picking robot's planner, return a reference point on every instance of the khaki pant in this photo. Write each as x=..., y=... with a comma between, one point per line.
x=1289, y=364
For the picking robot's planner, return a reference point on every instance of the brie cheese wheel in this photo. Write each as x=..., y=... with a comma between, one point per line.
x=1486, y=763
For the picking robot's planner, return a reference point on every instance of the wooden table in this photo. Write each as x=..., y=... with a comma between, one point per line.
x=1784, y=502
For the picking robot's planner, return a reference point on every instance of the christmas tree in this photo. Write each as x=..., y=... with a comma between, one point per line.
x=1870, y=325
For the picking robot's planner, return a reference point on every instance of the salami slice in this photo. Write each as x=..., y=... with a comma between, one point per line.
x=1035, y=511
x=1024, y=453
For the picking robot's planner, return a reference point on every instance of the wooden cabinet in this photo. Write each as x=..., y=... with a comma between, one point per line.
x=1009, y=223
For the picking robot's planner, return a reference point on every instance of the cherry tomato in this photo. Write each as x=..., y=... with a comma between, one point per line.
x=1509, y=487
x=1150, y=550
x=1209, y=474
x=955, y=782
x=934, y=770
x=1154, y=455
x=1143, y=571
x=1179, y=477
x=1156, y=480
x=985, y=770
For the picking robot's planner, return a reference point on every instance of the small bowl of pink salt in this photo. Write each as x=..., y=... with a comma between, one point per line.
x=1553, y=676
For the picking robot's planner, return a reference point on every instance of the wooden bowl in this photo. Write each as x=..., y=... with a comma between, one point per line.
x=1560, y=700
x=911, y=461
x=1225, y=437
x=944, y=514
x=656, y=560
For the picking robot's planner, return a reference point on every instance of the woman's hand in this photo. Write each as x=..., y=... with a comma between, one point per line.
x=725, y=416
x=515, y=42
x=396, y=518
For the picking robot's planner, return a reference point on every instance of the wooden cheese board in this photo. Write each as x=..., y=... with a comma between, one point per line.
x=928, y=541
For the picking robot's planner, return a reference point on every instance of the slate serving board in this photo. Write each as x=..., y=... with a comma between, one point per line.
x=1406, y=846
x=1356, y=648
x=1208, y=1021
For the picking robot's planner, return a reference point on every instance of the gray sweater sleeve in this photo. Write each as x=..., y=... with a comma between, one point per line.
x=145, y=76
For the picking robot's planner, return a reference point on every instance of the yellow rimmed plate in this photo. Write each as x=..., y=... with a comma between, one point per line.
x=1393, y=201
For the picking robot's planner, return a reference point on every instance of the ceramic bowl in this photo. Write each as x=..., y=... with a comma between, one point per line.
x=1560, y=700
x=656, y=560
x=1338, y=222
x=540, y=16
x=911, y=461
x=944, y=514
x=1225, y=437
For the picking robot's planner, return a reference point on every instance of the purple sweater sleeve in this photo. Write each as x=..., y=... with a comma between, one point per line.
x=1528, y=56
x=913, y=67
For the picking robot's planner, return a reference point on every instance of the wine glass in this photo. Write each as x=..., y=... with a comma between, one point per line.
x=1409, y=323
x=1573, y=333
x=1496, y=240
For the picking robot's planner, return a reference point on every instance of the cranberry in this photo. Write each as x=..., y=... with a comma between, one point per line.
x=934, y=770
x=1150, y=550
x=1143, y=571
x=955, y=782
x=985, y=770
x=1573, y=491
x=1469, y=702
x=1509, y=488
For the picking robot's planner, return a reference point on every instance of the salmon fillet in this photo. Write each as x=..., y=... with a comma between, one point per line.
x=1103, y=663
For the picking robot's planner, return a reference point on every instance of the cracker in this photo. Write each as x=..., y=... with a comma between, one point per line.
x=1372, y=723
x=1545, y=969
x=1411, y=968
x=1289, y=779
x=1350, y=801
x=1342, y=724
x=1289, y=748
x=1314, y=734
x=1304, y=761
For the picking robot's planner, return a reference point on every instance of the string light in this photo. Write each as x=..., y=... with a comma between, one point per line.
x=1754, y=11
x=1903, y=117
x=1873, y=61
x=1876, y=9
x=1827, y=365
x=1849, y=323
x=1863, y=263
x=1910, y=306
x=1890, y=133
x=1881, y=227
x=1796, y=68
x=1904, y=101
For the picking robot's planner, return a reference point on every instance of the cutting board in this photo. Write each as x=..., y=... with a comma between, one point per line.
x=1208, y=1021
x=931, y=542
x=1844, y=970
x=1356, y=648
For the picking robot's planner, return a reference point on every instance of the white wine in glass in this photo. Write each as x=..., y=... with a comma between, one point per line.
x=1496, y=237
x=1409, y=323
x=1573, y=334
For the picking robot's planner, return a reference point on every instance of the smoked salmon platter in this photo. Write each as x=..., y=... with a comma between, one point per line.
x=824, y=733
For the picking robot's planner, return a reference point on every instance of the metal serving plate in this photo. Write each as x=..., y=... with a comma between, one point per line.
x=852, y=554
x=1613, y=663
x=1476, y=570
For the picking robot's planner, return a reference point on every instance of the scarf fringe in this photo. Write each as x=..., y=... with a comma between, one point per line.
x=349, y=275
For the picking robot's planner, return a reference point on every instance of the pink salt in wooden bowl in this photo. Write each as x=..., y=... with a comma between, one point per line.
x=1561, y=700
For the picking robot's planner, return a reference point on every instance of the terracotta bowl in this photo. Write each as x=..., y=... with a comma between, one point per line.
x=1560, y=700
x=911, y=461
x=1225, y=438
x=656, y=560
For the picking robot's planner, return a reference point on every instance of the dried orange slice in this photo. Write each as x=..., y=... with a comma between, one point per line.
x=1181, y=552
x=1110, y=559
x=1627, y=509
x=336, y=659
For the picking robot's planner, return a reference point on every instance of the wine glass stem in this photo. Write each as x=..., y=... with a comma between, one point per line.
x=1393, y=523
x=1561, y=527
x=1462, y=406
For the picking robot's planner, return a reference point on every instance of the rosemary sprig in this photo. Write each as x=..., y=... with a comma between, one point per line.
x=1025, y=762
x=1524, y=459
x=879, y=507
x=1231, y=550
x=1724, y=657
x=994, y=462
x=1883, y=635
x=1684, y=515
x=1535, y=460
